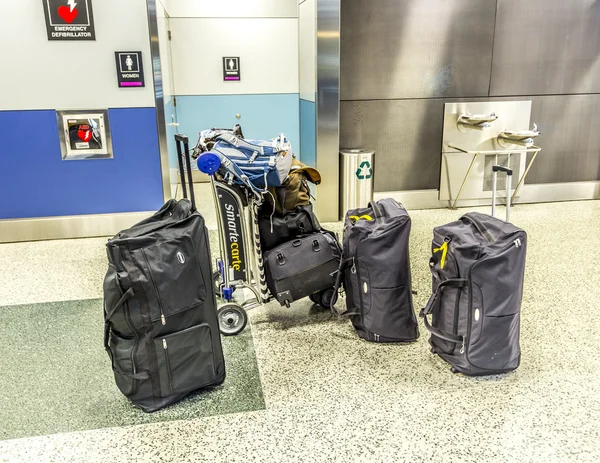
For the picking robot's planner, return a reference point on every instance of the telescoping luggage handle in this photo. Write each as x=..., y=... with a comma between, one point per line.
x=509, y=173
x=179, y=139
x=435, y=299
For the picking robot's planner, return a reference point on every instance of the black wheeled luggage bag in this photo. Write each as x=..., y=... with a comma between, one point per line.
x=161, y=329
x=375, y=270
x=478, y=266
x=302, y=267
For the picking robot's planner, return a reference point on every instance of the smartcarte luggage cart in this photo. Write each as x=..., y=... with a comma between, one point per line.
x=240, y=266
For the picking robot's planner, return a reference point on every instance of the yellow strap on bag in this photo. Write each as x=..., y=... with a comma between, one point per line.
x=444, y=249
x=356, y=218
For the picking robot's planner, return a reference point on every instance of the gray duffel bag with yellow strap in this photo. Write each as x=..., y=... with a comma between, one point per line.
x=478, y=266
x=375, y=271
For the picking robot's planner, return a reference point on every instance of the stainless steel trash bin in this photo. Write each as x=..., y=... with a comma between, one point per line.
x=356, y=179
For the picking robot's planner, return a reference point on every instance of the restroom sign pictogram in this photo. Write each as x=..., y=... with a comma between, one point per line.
x=231, y=69
x=130, y=70
x=69, y=19
x=364, y=171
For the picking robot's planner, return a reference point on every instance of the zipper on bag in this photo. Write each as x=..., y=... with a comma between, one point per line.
x=168, y=364
x=158, y=299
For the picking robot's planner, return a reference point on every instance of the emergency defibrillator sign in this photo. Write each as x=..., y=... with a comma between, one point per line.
x=130, y=71
x=69, y=19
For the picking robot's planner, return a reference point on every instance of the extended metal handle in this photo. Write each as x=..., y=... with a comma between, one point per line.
x=509, y=173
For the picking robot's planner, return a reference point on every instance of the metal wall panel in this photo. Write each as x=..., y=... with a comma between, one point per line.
x=328, y=107
x=416, y=48
x=546, y=47
x=406, y=136
x=570, y=138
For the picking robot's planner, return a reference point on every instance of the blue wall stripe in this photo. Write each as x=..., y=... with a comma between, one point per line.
x=308, y=134
x=263, y=116
x=36, y=182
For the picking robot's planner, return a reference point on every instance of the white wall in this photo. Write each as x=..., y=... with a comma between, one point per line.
x=307, y=23
x=166, y=66
x=41, y=74
x=267, y=47
x=232, y=8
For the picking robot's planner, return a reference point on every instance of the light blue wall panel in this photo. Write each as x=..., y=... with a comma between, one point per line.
x=263, y=116
x=308, y=135
x=171, y=131
x=36, y=182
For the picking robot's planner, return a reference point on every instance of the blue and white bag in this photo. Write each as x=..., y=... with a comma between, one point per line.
x=256, y=163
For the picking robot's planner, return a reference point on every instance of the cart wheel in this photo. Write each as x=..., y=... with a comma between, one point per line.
x=217, y=282
x=315, y=298
x=326, y=297
x=232, y=319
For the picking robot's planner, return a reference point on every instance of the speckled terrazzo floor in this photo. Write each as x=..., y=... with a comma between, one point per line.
x=331, y=397
x=56, y=375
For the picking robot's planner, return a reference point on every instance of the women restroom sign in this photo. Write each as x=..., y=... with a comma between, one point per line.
x=69, y=19
x=130, y=72
x=231, y=69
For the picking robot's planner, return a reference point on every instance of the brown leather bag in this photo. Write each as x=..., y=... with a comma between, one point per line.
x=294, y=191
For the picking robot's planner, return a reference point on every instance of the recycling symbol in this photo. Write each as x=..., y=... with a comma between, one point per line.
x=364, y=172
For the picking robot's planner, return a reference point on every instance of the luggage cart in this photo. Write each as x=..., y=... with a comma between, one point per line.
x=239, y=267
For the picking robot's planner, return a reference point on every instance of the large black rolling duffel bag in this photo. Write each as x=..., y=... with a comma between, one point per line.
x=161, y=329
x=375, y=269
x=478, y=266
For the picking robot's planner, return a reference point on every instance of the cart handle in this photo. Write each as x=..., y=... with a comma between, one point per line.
x=502, y=169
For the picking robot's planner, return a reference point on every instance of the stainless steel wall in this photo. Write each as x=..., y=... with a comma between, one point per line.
x=401, y=60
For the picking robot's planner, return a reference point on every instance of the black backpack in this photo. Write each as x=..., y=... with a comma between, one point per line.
x=161, y=329
x=276, y=228
x=375, y=270
x=478, y=266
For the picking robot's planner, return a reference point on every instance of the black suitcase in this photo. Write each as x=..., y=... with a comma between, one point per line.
x=278, y=228
x=376, y=273
x=478, y=267
x=302, y=267
x=161, y=329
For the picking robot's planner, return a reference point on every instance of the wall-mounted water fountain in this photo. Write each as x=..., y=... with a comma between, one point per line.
x=478, y=136
x=466, y=122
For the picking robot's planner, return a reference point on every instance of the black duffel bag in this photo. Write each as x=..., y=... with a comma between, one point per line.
x=302, y=267
x=279, y=228
x=161, y=328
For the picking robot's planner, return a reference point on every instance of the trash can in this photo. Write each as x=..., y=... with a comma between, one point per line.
x=356, y=179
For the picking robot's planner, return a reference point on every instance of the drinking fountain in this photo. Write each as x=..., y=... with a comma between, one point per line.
x=466, y=121
x=524, y=138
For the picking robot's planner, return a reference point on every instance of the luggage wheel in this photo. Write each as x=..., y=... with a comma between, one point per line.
x=454, y=370
x=217, y=282
x=326, y=297
x=432, y=350
x=232, y=319
x=322, y=298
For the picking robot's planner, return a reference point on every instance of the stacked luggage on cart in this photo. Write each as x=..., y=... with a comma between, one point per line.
x=270, y=239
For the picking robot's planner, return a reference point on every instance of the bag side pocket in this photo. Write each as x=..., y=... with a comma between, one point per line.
x=185, y=360
x=122, y=354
